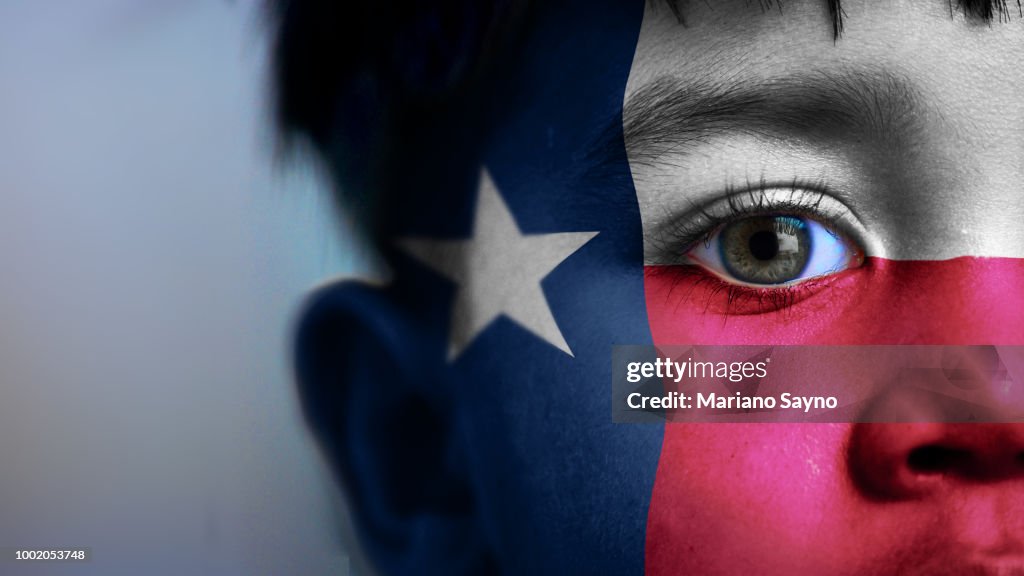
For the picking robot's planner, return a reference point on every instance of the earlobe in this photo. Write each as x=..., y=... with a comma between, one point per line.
x=388, y=433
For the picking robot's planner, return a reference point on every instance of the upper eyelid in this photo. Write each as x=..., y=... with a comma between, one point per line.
x=668, y=242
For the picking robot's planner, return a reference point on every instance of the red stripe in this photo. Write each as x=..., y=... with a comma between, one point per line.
x=966, y=300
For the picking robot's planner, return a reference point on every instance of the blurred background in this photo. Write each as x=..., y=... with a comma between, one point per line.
x=152, y=258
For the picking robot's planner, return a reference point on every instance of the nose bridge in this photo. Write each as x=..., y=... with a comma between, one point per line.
x=976, y=197
x=959, y=187
x=948, y=384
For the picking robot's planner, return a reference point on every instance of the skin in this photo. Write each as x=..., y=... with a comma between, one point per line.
x=944, y=184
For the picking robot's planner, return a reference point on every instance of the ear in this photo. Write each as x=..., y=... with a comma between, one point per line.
x=384, y=422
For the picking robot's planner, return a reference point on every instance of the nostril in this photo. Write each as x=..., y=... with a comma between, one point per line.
x=937, y=459
x=892, y=462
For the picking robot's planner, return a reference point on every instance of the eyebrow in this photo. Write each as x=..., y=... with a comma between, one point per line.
x=669, y=114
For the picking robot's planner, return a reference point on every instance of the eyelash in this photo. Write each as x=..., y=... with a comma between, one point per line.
x=702, y=223
x=805, y=200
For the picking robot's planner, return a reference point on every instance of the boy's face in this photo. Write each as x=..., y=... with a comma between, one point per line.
x=899, y=150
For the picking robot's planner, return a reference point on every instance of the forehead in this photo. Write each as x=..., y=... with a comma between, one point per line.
x=958, y=135
x=922, y=39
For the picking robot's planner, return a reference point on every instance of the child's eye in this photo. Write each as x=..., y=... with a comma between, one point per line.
x=775, y=250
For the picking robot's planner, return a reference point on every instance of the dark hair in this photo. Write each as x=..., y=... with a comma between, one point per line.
x=985, y=10
x=368, y=82
x=362, y=80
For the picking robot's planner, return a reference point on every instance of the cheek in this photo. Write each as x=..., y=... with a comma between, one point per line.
x=777, y=499
x=960, y=301
x=750, y=498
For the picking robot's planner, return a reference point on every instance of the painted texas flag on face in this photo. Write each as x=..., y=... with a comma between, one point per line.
x=646, y=182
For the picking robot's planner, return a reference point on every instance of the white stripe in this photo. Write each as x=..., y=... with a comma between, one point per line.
x=960, y=193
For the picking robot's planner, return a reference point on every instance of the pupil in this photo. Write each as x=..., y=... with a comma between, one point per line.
x=764, y=244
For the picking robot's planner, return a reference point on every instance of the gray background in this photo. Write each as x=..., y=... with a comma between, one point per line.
x=152, y=261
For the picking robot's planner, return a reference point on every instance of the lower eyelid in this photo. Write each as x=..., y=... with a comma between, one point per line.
x=694, y=285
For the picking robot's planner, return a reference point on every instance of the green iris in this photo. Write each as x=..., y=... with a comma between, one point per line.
x=766, y=249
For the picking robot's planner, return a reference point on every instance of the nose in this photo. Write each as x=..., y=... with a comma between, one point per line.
x=906, y=461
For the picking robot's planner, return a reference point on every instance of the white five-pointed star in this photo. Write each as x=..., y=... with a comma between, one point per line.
x=498, y=271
